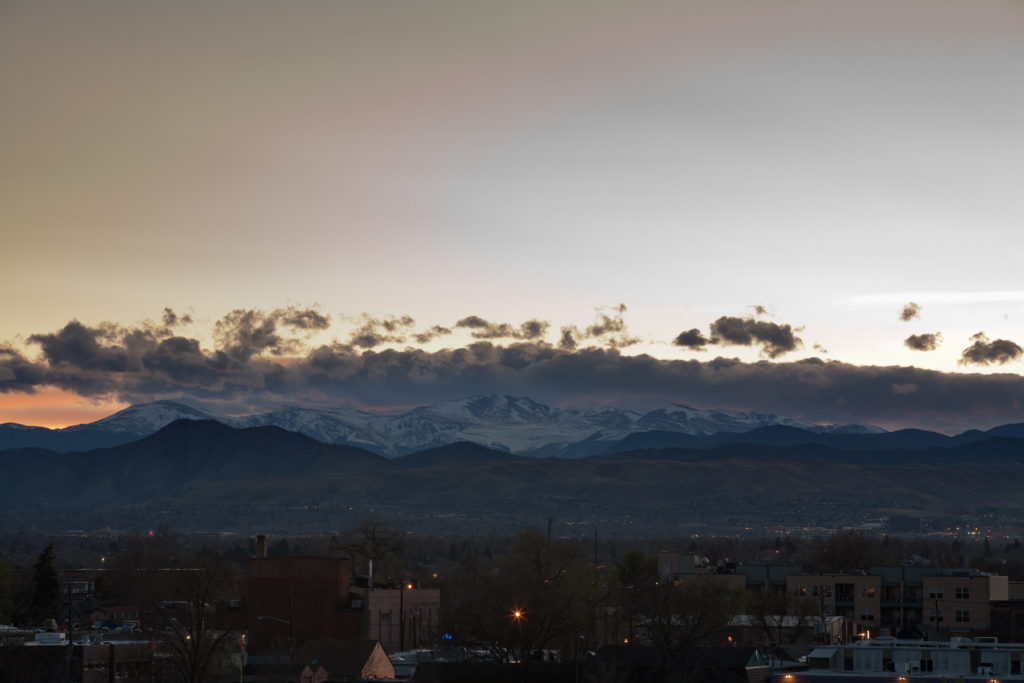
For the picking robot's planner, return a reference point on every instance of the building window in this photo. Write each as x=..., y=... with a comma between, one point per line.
x=963, y=616
x=934, y=592
x=867, y=614
x=934, y=615
x=963, y=592
x=868, y=592
x=803, y=591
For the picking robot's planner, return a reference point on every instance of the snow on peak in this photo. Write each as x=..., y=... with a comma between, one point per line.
x=146, y=418
x=513, y=423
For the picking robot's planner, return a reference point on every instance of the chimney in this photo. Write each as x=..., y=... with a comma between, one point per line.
x=261, y=545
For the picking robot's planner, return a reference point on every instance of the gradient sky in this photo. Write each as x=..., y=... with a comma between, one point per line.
x=399, y=166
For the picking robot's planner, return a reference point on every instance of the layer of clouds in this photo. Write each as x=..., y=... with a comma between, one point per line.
x=246, y=371
x=928, y=341
x=985, y=352
x=773, y=339
x=910, y=311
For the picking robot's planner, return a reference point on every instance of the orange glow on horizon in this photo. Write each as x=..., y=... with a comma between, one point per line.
x=54, y=408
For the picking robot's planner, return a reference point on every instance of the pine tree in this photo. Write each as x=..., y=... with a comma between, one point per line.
x=6, y=593
x=45, y=587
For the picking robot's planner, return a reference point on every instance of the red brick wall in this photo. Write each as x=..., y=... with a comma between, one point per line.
x=309, y=592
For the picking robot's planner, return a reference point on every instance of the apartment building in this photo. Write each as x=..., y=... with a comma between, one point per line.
x=927, y=602
x=855, y=596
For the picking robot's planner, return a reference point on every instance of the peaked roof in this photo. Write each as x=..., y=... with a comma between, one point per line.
x=338, y=656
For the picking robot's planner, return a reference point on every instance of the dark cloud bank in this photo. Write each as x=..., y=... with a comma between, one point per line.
x=248, y=371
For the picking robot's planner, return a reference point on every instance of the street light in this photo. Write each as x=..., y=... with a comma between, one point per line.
x=241, y=658
x=407, y=586
x=517, y=617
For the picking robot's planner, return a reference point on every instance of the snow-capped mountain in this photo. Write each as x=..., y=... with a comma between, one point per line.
x=506, y=423
x=515, y=424
x=677, y=418
x=145, y=418
x=329, y=426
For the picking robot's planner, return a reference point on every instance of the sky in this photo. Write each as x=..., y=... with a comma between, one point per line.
x=812, y=209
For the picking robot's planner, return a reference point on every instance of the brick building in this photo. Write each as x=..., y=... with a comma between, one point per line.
x=291, y=600
x=401, y=618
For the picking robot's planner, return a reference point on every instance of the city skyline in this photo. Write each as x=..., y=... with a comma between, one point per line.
x=804, y=208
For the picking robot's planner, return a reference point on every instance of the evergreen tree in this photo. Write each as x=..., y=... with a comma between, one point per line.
x=45, y=602
x=6, y=593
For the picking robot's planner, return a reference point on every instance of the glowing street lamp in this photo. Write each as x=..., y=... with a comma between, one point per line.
x=401, y=615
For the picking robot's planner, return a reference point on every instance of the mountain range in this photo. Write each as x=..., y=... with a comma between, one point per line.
x=505, y=423
x=514, y=424
x=205, y=475
x=498, y=463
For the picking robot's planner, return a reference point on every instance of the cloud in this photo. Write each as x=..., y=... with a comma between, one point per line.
x=609, y=328
x=828, y=391
x=568, y=338
x=303, y=318
x=431, y=334
x=484, y=329
x=247, y=333
x=18, y=374
x=608, y=324
x=376, y=331
x=773, y=339
x=533, y=329
x=910, y=311
x=85, y=348
x=139, y=364
x=759, y=309
x=171, y=318
x=691, y=339
x=984, y=352
x=820, y=349
x=923, y=342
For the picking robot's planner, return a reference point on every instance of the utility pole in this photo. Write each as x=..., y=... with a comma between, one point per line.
x=71, y=647
x=291, y=626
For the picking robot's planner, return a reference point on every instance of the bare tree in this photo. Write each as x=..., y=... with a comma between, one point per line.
x=198, y=637
x=541, y=595
x=771, y=609
x=374, y=540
